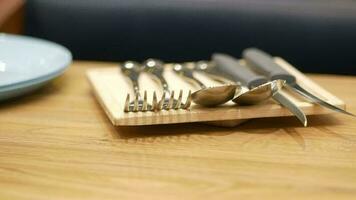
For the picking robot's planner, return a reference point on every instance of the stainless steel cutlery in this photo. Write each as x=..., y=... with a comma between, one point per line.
x=256, y=80
x=207, y=96
x=252, y=80
x=132, y=70
x=263, y=63
x=155, y=68
x=246, y=96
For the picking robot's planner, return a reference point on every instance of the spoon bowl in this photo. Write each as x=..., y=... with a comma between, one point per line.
x=207, y=96
x=213, y=96
x=259, y=94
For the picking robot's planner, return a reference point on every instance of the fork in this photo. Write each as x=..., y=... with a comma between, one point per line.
x=155, y=68
x=132, y=70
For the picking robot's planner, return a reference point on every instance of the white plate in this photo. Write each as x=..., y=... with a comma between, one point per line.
x=27, y=63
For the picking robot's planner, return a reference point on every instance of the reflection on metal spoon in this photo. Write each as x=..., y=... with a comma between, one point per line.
x=207, y=96
x=213, y=96
x=259, y=94
x=245, y=96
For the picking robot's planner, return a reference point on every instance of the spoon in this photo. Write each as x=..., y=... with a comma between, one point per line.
x=253, y=80
x=259, y=93
x=254, y=95
x=207, y=96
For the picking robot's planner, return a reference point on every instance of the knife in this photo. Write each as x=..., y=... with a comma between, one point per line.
x=263, y=63
x=229, y=65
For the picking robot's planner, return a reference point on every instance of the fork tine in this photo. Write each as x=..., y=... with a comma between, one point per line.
x=179, y=101
x=136, y=108
x=161, y=102
x=188, y=101
x=154, y=102
x=170, y=101
x=127, y=103
x=144, y=104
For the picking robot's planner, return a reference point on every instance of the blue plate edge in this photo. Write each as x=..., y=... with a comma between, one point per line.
x=36, y=80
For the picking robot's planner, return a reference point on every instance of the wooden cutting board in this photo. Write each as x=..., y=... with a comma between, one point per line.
x=111, y=88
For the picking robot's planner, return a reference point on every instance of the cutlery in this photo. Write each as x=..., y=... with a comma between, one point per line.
x=250, y=79
x=155, y=68
x=258, y=94
x=207, y=96
x=132, y=70
x=263, y=63
x=246, y=96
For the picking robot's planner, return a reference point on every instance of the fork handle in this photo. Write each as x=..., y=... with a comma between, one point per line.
x=163, y=83
x=156, y=68
x=135, y=86
x=187, y=73
x=132, y=70
x=158, y=73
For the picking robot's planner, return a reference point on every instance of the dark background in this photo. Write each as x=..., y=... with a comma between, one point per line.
x=315, y=36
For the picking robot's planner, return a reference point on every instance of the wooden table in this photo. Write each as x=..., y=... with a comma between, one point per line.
x=57, y=143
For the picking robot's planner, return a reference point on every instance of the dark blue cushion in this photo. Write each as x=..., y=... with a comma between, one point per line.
x=315, y=36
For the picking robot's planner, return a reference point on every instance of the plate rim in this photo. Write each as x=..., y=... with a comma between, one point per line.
x=41, y=78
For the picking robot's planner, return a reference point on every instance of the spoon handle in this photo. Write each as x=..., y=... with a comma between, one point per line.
x=238, y=72
x=262, y=62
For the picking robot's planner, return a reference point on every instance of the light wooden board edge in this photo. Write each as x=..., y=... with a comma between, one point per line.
x=113, y=106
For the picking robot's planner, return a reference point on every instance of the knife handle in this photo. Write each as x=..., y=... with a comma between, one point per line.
x=229, y=65
x=263, y=63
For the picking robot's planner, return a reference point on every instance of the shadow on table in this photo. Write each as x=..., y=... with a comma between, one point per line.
x=53, y=87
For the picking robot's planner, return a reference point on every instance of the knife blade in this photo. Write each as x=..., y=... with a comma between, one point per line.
x=263, y=63
x=229, y=65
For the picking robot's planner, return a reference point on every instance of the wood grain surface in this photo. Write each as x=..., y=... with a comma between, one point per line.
x=57, y=143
